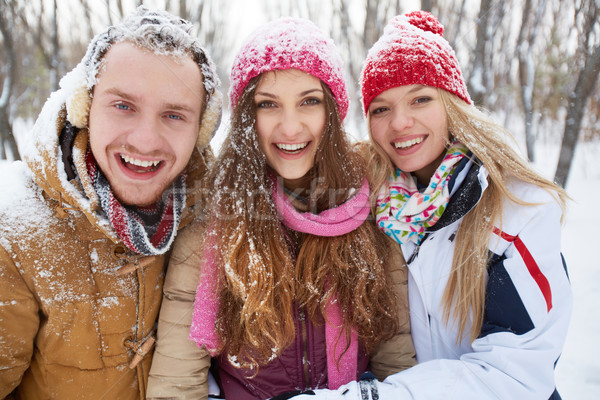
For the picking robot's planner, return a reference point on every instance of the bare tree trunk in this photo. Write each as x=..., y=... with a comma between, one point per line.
x=398, y=7
x=427, y=5
x=120, y=7
x=575, y=111
x=370, y=32
x=54, y=74
x=183, y=10
x=108, y=12
x=527, y=36
x=7, y=139
x=88, y=18
x=453, y=27
x=477, y=83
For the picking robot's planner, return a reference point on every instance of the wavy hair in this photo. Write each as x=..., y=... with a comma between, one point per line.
x=464, y=295
x=267, y=269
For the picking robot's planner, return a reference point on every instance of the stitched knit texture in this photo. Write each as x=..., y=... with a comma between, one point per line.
x=289, y=43
x=146, y=230
x=411, y=51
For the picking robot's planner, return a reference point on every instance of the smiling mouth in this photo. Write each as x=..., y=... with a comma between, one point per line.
x=408, y=143
x=293, y=148
x=139, y=166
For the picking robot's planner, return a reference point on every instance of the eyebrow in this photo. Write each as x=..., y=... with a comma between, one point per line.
x=416, y=88
x=172, y=106
x=305, y=93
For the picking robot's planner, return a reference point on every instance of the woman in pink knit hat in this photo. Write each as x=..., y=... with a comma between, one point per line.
x=297, y=286
x=489, y=295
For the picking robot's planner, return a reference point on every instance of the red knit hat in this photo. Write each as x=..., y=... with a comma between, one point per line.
x=284, y=44
x=411, y=50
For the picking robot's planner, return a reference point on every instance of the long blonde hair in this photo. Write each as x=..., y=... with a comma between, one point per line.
x=262, y=279
x=464, y=295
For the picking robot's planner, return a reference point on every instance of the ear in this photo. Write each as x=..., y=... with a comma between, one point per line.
x=211, y=118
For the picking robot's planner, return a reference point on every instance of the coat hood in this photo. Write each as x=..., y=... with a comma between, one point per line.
x=156, y=31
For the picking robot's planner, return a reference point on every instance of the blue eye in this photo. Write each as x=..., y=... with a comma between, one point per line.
x=122, y=106
x=174, y=116
x=421, y=100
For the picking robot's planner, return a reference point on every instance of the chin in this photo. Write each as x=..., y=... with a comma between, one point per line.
x=135, y=198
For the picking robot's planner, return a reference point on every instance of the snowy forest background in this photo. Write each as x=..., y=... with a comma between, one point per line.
x=533, y=63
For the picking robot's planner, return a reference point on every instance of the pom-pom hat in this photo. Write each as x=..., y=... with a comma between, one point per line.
x=284, y=44
x=411, y=51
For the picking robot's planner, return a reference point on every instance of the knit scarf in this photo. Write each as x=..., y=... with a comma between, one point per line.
x=403, y=212
x=146, y=230
x=336, y=221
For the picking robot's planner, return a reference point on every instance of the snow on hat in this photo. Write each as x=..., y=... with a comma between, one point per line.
x=289, y=43
x=411, y=50
x=155, y=30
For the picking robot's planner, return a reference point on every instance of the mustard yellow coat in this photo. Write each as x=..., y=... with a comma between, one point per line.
x=77, y=309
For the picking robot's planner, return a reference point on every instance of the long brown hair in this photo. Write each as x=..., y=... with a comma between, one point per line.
x=464, y=295
x=263, y=280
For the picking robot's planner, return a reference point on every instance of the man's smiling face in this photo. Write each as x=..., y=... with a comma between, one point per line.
x=144, y=120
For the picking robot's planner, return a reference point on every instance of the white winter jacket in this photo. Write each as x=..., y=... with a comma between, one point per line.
x=527, y=308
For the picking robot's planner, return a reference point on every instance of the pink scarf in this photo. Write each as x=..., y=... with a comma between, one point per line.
x=333, y=222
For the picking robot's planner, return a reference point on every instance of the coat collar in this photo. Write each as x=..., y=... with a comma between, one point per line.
x=466, y=187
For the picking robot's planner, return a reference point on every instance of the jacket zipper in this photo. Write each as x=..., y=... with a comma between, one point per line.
x=305, y=350
x=415, y=253
x=413, y=256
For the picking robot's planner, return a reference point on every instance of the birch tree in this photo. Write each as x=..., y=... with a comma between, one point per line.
x=477, y=84
x=588, y=12
x=527, y=35
x=8, y=72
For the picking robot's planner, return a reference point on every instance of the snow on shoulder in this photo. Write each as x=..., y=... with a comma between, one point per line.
x=20, y=197
x=13, y=177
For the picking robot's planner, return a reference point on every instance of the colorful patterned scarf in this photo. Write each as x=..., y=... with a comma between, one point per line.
x=404, y=212
x=146, y=230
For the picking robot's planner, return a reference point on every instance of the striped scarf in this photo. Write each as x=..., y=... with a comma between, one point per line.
x=403, y=212
x=146, y=230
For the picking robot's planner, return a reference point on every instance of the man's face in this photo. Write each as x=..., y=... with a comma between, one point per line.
x=144, y=120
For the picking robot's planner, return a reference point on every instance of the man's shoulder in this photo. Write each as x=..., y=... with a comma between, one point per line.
x=21, y=200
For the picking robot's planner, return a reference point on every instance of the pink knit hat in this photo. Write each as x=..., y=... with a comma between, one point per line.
x=411, y=50
x=289, y=43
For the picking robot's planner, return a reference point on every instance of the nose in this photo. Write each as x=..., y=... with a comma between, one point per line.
x=401, y=119
x=146, y=136
x=290, y=124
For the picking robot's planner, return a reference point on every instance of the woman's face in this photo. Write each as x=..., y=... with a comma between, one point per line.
x=409, y=123
x=290, y=121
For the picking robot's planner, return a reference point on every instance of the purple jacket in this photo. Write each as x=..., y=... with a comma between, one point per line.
x=311, y=361
x=303, y=365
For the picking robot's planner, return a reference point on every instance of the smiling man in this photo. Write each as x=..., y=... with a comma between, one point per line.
x=112, y=171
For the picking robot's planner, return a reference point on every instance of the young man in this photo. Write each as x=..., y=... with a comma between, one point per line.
x=111, y=172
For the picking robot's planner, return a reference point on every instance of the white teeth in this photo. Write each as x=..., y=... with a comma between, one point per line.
x=291, y=147
x=139, y=163
x=408, y=143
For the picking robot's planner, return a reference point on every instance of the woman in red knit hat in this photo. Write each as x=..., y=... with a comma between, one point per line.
x=293, y=290
x=489, y=295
